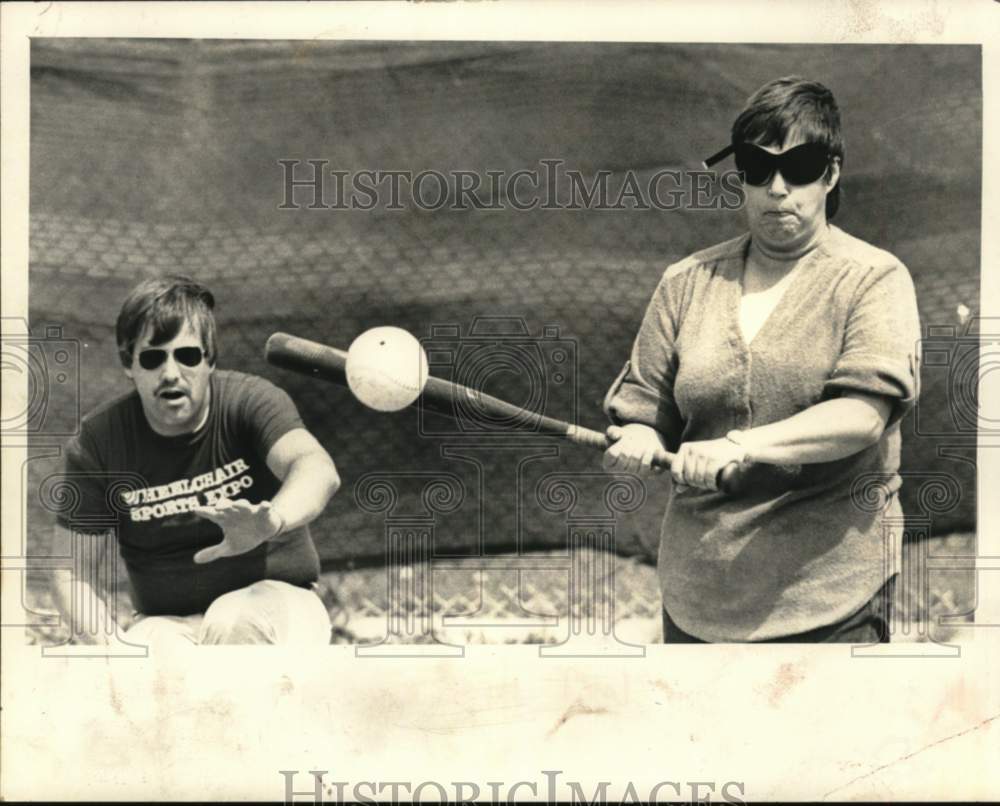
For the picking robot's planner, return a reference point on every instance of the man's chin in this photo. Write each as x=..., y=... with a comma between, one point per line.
x=175, y=419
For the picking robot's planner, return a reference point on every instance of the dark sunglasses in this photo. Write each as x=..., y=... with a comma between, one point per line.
x=801, y=165
x=188, y=356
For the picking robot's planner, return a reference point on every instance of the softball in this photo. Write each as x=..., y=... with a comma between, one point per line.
x=386, y=368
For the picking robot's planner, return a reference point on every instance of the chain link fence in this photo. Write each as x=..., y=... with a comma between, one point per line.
x=157, y=156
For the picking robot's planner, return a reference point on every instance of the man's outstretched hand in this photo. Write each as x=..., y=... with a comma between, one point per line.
x=244, y=525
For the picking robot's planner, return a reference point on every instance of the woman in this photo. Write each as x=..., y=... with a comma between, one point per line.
x=791, y=350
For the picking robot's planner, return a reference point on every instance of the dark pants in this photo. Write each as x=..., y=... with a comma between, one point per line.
x=869, y=625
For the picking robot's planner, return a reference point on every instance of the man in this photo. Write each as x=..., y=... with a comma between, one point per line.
x=791, y=351
x=212, y=478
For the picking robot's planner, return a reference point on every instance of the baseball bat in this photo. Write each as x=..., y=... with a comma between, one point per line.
x=327, y=363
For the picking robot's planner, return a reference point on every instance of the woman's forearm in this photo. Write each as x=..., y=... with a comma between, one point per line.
x=825, y=432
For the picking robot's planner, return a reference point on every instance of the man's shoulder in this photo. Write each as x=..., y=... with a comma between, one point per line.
x=254, y=407
x=110, y=414
x=106, y=429
x=242, y=393
x=231, y=383
x=732, y=249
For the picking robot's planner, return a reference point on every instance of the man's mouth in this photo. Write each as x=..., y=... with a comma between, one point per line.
x=171, y=394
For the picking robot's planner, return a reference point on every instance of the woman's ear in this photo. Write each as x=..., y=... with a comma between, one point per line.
x=833, y=174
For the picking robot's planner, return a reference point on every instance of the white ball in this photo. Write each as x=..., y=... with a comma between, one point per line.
x=386, y=368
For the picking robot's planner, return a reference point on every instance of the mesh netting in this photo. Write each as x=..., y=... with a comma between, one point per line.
x=161, y=156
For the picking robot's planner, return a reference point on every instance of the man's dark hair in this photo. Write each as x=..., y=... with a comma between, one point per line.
x=164, y=304
x=792, y=104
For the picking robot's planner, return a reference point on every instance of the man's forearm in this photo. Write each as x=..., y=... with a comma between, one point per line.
x=309, y=485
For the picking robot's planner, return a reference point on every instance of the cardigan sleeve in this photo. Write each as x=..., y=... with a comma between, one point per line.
x=881, y=349
x=643, y=392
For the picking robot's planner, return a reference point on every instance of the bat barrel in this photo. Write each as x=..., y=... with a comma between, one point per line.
x=330, y=364
x=307, y=357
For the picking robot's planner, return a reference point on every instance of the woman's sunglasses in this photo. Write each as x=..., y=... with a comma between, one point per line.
x=801, y=165
x=188, y=356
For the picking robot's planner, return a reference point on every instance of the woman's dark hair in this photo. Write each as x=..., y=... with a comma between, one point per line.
x=164, y=304
x=794, y=104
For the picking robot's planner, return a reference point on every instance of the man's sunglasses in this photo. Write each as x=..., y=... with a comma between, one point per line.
x=801, y=165
x=188, y=356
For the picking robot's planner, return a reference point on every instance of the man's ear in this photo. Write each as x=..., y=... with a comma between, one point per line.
x=128, y=372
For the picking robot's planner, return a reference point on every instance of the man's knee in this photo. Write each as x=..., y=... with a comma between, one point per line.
x=238, y=617
x=164, y=631
x=267, y=612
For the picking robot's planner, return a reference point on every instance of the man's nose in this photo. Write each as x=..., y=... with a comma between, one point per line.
x=170, y=369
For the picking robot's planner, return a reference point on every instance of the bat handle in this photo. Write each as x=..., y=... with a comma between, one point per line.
x=728, y=480
x=587, y=437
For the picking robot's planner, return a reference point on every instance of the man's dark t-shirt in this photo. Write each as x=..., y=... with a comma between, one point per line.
x=119, y=464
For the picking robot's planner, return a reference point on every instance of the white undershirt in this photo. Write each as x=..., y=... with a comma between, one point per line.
x=757, y=306
x=765, y=280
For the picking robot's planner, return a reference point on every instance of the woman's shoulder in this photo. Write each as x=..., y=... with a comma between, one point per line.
x=707, y=259
x=859, y=254
x=862, y=268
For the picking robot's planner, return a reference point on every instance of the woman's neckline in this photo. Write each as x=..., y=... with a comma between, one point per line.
x=763, y=257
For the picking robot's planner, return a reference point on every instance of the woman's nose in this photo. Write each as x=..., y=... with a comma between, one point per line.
x=777, y=186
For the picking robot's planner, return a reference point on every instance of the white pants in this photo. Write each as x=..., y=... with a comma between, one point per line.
x=266, y=612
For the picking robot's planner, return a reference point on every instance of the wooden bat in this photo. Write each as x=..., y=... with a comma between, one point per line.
x=330, y=364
